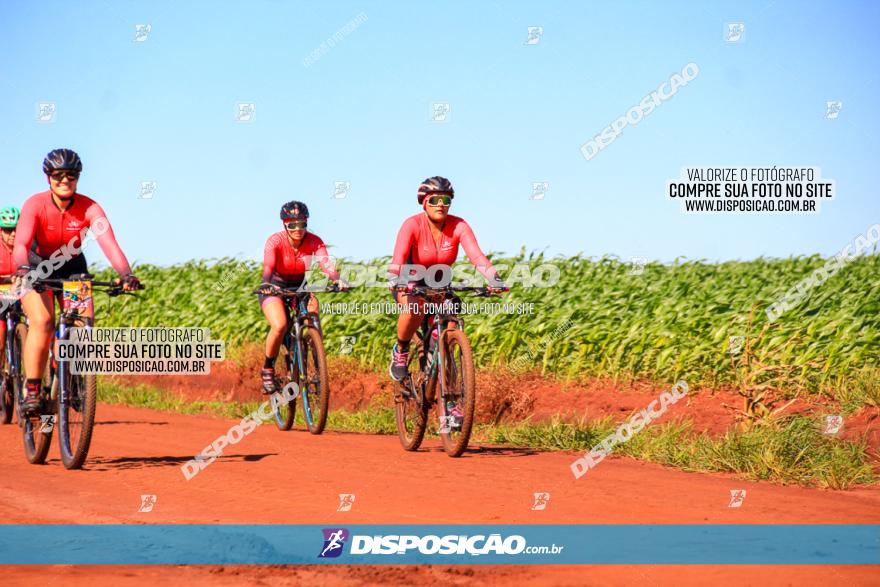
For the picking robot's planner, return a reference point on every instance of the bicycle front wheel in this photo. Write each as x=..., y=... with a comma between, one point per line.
x=284, y=410
x=36, y=431
x=316, y=388
x=76, y=419
x=76, y=415
x=7, y=395
x=411, y=405
x=457, y=404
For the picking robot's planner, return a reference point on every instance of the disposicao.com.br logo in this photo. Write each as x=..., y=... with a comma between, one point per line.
x=394, y=544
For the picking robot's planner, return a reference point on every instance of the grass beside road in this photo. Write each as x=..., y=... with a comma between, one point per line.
x=793, y=451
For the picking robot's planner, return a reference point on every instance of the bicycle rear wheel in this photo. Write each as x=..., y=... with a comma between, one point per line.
x=36, y=434
x=316, y=388
x=410, y=406
x=457, y=407
x=284, y=411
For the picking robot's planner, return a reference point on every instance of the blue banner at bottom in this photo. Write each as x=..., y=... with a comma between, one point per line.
x=172, y=544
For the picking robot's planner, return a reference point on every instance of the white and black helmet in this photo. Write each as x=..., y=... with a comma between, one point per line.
x=435, y=185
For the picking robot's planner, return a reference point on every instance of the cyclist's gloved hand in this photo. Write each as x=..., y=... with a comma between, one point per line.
x=130, y=282
x=18, y=275
x=497, y=286
x=268, y=289
x=342, y=285
x=400, y=283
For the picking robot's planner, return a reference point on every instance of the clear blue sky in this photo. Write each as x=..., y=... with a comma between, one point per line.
x=163, y=110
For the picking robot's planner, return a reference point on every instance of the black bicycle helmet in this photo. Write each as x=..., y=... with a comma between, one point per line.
x=65, y=159
x=435, y=185
x=294, y=210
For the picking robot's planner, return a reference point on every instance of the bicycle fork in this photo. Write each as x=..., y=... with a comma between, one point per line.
x=11, y=367
x=62, y=367
x=294, y=345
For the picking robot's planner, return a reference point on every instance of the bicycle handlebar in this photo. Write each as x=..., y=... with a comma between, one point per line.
x=420, y=290
x=281, y=292
x=112, y=288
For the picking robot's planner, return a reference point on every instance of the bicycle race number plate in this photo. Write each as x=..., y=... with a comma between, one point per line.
x=6, y=292
x=77, y=295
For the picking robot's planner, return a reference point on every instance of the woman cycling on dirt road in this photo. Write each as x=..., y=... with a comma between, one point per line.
x=286, y=258
x=431, y=238
x=57, y=220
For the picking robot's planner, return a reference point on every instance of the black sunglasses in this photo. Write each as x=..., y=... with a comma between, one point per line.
x=295, y=224
x=8, y=230
x=60, y=175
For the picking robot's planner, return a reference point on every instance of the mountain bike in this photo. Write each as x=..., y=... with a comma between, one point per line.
x=66, y=397
x=445, y=358
x=36, y=433
x=10, y=375
x=304, y=361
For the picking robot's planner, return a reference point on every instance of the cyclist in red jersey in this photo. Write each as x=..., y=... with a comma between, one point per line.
x=55, y=221
x=431, y=238
x=286, y=258
x=8, y=221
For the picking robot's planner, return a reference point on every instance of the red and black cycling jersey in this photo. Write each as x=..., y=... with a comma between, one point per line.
x=7, y=267
x=52, y=228
x=416, y=245
x=282, y=261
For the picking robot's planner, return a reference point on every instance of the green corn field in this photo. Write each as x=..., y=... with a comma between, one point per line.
x=673, y=321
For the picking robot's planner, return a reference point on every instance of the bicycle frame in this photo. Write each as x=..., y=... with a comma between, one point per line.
x=13, y=317
x=66, y=321
x=293, y=341
x=418, y=393
x=432, y=371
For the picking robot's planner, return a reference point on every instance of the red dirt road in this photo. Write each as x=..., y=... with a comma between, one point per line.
x=138, y=451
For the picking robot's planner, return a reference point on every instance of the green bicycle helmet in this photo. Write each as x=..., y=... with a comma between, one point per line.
x=9, y=217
